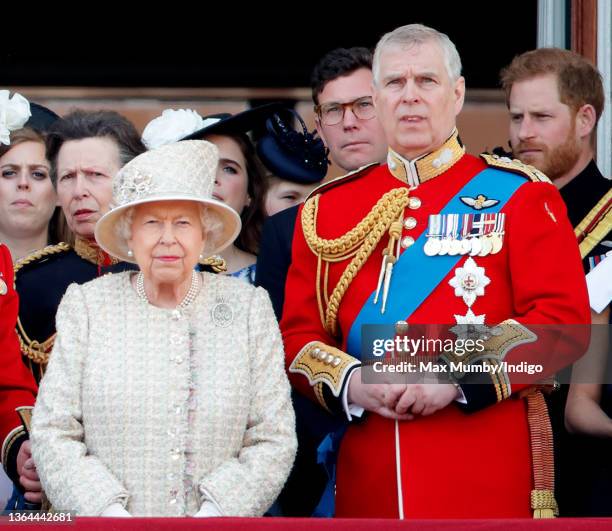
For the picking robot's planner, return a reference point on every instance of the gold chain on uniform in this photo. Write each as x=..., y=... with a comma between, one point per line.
x=358, y=243
x=30, y=348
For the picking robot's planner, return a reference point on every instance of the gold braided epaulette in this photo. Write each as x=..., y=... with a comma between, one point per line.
x=323, y=365
x=49, y=250
x=341, y=180
x=515, y=166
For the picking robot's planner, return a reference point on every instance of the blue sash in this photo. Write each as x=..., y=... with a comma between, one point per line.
x=416, y=275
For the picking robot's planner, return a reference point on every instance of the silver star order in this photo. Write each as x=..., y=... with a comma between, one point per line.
x=470, y=326
x=469, y=281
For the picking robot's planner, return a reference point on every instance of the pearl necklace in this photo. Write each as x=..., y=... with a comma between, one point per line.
x=192, y=293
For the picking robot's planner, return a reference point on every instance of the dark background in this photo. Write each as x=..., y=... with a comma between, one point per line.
x=267, y=47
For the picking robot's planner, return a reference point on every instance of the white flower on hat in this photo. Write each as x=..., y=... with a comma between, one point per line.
x=131, y=185
x=170, y=127
x=14, y=113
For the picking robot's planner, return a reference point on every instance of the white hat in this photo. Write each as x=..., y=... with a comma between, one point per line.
x=180, y=171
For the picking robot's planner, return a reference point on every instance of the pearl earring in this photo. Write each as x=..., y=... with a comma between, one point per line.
x=130, y=253
x=201, y=256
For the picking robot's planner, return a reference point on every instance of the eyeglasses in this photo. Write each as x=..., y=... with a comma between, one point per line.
x=333, y=113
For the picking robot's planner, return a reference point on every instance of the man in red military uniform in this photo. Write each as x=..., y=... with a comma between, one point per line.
x=17, y=386
x=435, y=236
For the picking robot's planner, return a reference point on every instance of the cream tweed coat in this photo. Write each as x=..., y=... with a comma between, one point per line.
x=115, y=419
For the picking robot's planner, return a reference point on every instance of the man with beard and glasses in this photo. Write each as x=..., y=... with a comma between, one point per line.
x=555, y=98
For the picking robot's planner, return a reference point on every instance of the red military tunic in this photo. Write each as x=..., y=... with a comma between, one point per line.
x=451, y=464
x=17, y=386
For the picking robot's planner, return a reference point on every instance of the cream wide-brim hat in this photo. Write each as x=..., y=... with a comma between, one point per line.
x=183, y=171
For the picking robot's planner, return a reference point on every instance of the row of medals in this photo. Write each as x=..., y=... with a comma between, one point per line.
x=474, y=246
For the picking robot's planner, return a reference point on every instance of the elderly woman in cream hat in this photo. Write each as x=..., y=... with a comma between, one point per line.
x=165, y=393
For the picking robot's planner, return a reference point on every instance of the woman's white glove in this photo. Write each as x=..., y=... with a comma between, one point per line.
x=115, y=510
x=207, y=510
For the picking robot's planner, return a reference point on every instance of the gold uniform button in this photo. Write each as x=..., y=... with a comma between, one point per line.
x=410, y=223
x=414, y=203
x=407, y=241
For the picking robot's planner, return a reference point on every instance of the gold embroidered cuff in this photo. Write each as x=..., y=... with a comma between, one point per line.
x=25, y=414
x=10, y=439
x=487, y=382
x=323, y=365
x=506, y=336
x=499, y=340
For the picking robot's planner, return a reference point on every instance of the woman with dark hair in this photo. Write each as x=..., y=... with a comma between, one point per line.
x=240, y=184
x=240, y=180
x=29, y=216
x=29, y=221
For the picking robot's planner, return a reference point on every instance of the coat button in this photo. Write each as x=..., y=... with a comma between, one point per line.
x=176, y=339
x=410, y=223
x=414, y=203
x=407, y=241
